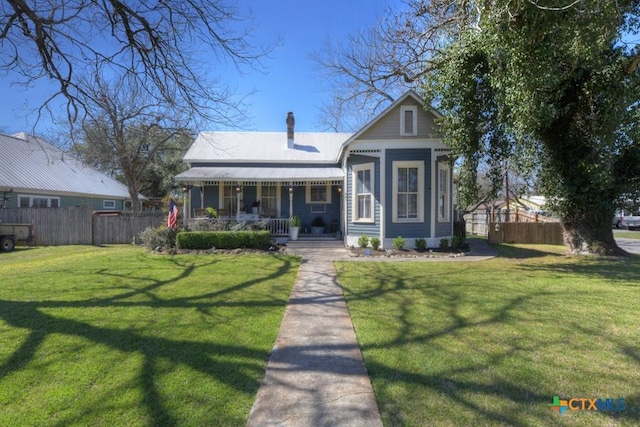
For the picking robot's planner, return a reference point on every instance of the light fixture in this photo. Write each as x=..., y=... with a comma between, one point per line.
x=186, y=188
x=339, y=189
x=238, y=189
x=290, y=189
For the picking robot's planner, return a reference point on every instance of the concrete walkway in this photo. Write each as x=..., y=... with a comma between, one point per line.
x=316, y=375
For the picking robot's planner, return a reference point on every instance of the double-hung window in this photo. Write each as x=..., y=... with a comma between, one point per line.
x=408, y=191
x=363, y=200
x=269, y=200
x=443, y=192
x=38, y=202
x=320, y=194
x=229, y=199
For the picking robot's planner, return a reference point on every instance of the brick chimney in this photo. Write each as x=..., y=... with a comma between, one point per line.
x=290, y=124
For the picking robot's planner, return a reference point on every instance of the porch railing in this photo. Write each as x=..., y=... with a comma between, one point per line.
x=275, y=226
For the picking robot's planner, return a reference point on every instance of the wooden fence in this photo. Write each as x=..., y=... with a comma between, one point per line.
x=477, y=222
x=549, y=233
x=81, y=226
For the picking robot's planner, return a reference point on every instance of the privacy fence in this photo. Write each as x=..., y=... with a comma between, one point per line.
x=549, y=233
x=81, y=226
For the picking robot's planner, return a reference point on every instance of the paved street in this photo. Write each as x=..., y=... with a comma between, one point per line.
x=629, y=245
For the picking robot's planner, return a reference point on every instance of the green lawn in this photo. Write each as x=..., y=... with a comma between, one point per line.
x=626, y=234
x=491, y=343
x=116, y=336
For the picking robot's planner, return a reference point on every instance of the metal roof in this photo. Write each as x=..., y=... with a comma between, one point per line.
x=200, y=174
x=32, y=164
x=266, y=147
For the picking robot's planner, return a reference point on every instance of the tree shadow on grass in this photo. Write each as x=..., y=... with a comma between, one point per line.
x=520, y=252
x=612, y=269
x=398, y=291
x=237, y=366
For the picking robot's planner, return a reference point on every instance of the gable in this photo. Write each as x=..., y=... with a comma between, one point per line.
x=388, y=126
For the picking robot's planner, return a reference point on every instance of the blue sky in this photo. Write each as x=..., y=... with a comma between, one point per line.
x=289, y=82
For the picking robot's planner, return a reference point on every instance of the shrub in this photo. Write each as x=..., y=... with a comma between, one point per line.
x=212, y=212
x=421, y=245
x=248, y=226
x=457, y=242
x=223, y=239
x=375, y=243
x=158, y=239
x=444, y=243
x=399, y=243
x=363, y=241
x=211, y=224
x=216, y=224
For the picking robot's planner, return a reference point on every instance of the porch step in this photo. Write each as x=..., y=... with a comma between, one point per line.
x=328, y=248
x=314, y=237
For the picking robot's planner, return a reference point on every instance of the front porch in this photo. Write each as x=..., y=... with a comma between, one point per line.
x=318, y=204
x=277, y=227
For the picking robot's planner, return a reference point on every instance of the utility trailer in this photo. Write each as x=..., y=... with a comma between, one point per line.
x=11, y=233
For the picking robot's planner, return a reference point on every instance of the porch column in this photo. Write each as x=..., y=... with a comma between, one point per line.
x=238, y=191
x=186, y=214
x=290, y=201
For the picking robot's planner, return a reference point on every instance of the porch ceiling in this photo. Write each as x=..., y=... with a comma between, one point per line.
x=260, y=174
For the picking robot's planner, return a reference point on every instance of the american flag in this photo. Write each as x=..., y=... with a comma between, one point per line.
x=172, y=219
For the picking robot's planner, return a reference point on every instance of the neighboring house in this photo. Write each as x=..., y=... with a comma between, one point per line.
x=534, y=203
x=34, y=173
x=391, y=178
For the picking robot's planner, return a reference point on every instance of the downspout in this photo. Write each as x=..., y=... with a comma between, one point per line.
x=343, y=202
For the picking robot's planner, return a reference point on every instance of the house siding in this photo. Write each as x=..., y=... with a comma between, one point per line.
x=94, y=203
x=408, y=230
x=358, y=229
x=388, y=127
x=303, y=210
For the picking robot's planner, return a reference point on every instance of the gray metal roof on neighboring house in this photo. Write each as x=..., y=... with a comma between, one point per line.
x=31, y=164
x=266, y=147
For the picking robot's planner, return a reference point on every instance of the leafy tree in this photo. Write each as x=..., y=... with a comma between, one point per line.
x=549, y=85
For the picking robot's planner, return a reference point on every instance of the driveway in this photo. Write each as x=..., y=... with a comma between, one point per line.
x=630, y=245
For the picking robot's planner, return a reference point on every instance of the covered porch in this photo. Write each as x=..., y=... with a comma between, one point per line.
x=272, y=195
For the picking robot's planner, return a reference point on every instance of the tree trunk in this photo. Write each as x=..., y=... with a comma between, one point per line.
x=135, y=200
x=590, y=233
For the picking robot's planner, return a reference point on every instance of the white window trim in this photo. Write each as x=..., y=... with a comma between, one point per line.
x=308, y=195
x=354, y=197
x=408, y=164
x=443, y=218
x=35, y=196
x=221, y=197
x=278, y=200
x=414, y=109
x=112, y=204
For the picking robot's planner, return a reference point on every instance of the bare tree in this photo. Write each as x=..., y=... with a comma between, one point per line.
x=127, y=130
x=158, y=43
x=380, y=63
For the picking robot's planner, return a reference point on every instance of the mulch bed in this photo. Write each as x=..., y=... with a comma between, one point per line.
x=353, y=252
x=408, y=253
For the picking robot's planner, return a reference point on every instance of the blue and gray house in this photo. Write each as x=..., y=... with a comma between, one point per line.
x=391, y=178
